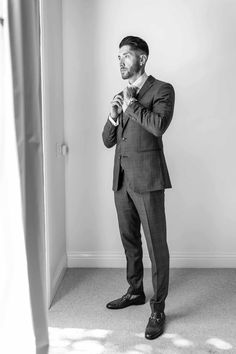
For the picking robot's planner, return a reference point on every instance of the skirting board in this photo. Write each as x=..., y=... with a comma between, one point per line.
x=177, y=260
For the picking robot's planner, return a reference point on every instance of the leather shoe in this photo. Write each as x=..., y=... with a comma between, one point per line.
x=155, y=326
x=126, y=300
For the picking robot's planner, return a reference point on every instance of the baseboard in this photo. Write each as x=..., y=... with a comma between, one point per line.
x=57, y=277
x=177, y=260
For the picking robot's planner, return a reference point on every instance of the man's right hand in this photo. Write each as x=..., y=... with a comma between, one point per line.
x=116, y=106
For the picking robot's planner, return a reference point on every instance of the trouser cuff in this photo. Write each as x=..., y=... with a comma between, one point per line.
x=134, y=291
x=157, y=307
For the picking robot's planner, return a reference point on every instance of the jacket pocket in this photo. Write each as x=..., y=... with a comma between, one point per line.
x=147, y=171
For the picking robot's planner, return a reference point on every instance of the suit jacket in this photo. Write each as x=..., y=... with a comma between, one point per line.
x=138, y=138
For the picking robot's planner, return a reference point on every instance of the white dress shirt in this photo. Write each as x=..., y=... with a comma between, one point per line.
x=139, y=84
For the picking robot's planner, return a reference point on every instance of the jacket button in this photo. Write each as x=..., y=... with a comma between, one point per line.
x=124, y=139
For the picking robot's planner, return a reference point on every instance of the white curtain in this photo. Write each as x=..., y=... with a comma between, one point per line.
x=23, y=317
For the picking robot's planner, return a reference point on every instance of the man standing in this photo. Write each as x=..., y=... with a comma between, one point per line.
x=139, y=116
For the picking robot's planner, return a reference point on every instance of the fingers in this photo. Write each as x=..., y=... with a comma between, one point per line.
x=120, y=97
x=117, y=101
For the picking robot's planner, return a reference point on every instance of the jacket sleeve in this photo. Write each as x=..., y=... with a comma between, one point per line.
x=109, y=134
x=157, y=120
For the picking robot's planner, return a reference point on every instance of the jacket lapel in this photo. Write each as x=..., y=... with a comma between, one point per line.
x=148, y=83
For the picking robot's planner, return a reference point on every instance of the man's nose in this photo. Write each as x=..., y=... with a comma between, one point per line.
x=121, y=62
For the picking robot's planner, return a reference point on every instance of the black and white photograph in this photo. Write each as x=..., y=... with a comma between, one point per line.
x=117, y=177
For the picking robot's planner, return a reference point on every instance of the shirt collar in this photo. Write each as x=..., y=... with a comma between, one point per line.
x=140, y=81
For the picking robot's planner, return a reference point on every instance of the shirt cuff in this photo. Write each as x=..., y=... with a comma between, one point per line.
x=113, y=122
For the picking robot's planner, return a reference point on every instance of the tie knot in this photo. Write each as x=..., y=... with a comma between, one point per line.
x=134, y=90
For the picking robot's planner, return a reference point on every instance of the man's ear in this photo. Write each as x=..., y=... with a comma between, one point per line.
x=143, y=59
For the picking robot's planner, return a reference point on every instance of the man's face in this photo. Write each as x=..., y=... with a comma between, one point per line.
x=129, y=62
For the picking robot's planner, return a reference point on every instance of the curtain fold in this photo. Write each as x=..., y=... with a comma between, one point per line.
x=24, y=31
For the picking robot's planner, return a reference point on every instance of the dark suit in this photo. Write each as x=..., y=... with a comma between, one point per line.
x=140, y=176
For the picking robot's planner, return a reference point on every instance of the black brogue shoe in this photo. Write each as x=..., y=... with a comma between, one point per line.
x=155, y=326
x=127, y=300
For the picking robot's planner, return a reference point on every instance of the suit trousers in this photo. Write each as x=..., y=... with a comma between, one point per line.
x=146, y=209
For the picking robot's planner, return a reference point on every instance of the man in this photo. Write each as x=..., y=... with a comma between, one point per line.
x=139, y=116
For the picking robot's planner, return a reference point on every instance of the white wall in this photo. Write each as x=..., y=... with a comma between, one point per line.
x=53, y=128
x=192, y=45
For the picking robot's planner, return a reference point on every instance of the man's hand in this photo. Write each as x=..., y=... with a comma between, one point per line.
x=116, y=106
x=129, y=92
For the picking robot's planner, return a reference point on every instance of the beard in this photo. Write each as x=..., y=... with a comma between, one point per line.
x=125, y=74
x=128, y=73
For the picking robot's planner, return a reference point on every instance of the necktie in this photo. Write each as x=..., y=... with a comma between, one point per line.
x=133, y=94
x=134, y=90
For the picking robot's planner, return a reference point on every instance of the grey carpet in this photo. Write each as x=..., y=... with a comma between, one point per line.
x=200, y=314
